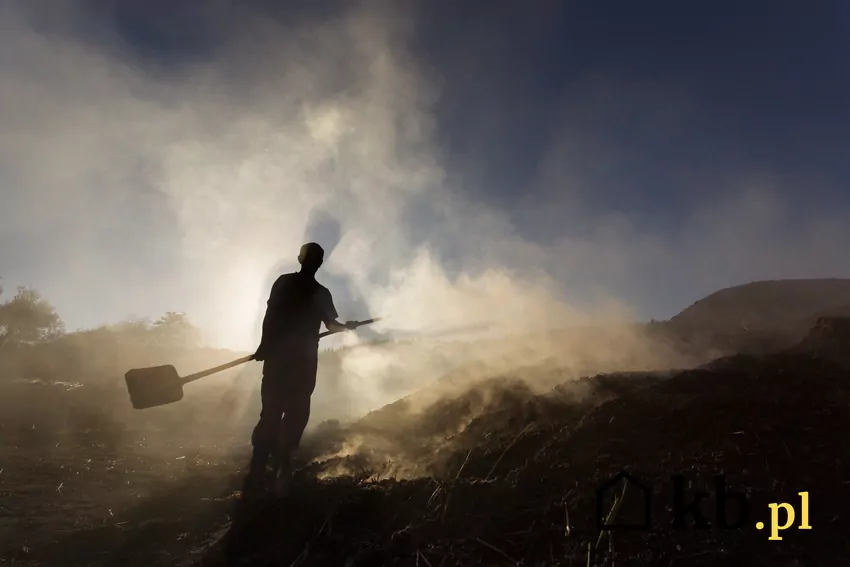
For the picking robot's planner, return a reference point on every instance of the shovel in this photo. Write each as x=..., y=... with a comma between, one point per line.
x=161, y=385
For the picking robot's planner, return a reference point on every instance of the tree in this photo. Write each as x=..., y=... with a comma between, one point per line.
x=27, y=317
x=174, y=330
x=137, y=332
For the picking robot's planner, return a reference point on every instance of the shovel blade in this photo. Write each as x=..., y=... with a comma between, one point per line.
x=154, y=386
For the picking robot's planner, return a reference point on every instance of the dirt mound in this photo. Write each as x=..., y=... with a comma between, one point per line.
x=525, y=494
x=762, y=316
x=829, y=339
x=413, y=438
x=766, y=304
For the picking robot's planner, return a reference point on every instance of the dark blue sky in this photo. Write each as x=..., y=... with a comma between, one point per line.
x=685, y=89
x=619, y=131
x=767, y=84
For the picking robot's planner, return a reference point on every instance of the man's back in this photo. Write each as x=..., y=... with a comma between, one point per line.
x=297, y=307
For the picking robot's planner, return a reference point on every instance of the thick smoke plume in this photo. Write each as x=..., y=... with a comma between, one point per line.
x=201, y=181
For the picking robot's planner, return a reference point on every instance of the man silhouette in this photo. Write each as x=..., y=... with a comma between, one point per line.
x=297, y=307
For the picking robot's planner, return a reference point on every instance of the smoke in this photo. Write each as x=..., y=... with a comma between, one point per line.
x=132, y=190
x=197, y=182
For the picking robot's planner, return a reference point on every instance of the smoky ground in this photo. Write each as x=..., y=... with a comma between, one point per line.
x=77, y=459
x=86, y=480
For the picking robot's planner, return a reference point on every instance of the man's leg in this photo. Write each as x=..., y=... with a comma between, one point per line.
x=295, y=418
x=296, y=414
x=265, y=434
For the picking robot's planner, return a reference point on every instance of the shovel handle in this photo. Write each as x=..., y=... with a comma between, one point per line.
x=204, y=373
x=214, y=370
x=358, y=324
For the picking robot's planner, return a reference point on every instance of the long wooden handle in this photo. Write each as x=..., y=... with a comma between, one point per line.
x=214, y=370
x=204, y=373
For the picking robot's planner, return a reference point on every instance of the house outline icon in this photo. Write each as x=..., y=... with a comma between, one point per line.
x=613, y=482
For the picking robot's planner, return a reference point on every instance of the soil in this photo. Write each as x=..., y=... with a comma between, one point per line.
x=504, y=476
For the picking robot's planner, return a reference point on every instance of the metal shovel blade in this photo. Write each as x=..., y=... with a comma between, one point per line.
x=154, y=386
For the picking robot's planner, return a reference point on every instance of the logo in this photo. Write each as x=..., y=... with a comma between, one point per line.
x=607, y=520
x=692, y=509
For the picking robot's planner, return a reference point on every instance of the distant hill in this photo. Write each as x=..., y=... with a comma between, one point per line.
x=781, y=310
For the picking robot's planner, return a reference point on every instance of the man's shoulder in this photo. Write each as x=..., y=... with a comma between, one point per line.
x=322, y=288
x=324, y=291
x=285, y=278
x=284, y=281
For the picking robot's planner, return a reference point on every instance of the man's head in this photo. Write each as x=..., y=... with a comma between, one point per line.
x=311, y=257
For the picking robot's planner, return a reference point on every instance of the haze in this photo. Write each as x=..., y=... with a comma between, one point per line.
x=603, y=163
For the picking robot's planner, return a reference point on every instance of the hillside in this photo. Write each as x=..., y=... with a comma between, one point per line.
x=485, y=467
x=764, y=305
x=760, y=316
x=522, y=488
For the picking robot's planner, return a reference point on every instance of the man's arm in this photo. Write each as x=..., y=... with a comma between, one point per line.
x=337, y=327
x=270, y=320
x=330, y=316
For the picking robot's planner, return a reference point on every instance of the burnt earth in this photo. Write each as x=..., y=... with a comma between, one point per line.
x=773, y=425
